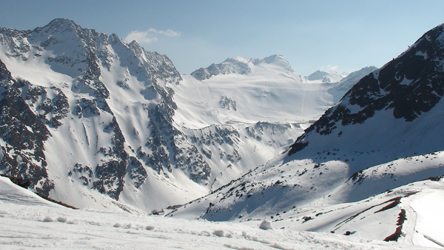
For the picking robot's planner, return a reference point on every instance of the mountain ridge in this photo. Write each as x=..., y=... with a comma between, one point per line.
x=239, y=65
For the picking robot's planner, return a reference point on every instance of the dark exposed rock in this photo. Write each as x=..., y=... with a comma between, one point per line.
x=227, y=103
x=83, y=173
x=50, y=110
x=86, y=108
x=18, y=181
x=24, y=134
x=110, y=177
x=169, y=148
x=229, y=66
x=398, y=232
x=136, y=171
x=296, y=147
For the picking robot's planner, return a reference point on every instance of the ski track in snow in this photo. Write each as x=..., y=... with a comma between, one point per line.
x=429, y=219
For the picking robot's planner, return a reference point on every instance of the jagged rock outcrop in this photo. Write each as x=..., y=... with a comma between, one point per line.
x=229, y=66
x=23, y=133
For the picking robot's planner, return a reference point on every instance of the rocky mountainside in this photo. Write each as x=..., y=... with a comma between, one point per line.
x=383, y=134
x=87, y=109
x=406, y=92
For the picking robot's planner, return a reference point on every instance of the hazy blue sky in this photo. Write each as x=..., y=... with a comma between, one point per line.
x=340, y=35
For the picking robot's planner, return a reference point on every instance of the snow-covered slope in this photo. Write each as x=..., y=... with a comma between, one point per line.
x=266, y=90
x=338, y=89
x=30, y=222
x=385, y=132
x=324, y=77
x=269, y=91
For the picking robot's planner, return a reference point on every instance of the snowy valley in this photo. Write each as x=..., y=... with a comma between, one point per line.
x=118, y=132
x=362, y=159
x=111, y=118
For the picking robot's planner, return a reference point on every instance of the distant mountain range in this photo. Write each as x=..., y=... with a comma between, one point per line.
x=87, y=117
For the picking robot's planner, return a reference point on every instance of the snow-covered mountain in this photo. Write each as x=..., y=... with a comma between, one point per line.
x=384, y=133
x=241, y=65
x=260, y=107
x=265, y=90
x=85, y=114
x=339, y=88
x=323, y=76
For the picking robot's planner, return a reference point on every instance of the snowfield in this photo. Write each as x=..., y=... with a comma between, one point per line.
x=380, y=203
x=269, y=92
x=30, y=222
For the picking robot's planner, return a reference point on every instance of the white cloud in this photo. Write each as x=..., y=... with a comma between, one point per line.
x=330, y=68
x=150, y=35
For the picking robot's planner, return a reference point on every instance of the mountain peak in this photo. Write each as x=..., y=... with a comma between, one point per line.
x=277, y=60
x=60, y=24
x=62, y=21
x=232, y=65
x=237, y=59
x=274, y=59
x=325, y=76
x=240, y=65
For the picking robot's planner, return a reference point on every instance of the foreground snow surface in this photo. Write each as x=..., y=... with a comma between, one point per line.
x=27, y=221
